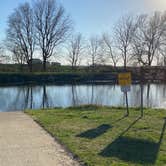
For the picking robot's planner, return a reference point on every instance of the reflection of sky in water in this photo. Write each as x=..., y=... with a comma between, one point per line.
x=24, y=97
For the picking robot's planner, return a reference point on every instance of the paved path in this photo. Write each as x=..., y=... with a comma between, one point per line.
x=25, y=143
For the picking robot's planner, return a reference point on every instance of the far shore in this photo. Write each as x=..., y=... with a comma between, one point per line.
x=105, y=75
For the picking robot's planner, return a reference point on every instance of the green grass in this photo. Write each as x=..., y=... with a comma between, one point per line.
x=103, y=136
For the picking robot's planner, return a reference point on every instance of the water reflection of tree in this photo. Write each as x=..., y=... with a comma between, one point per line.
x=164, y=91
x=98, y=98
x=75, y=100
x=160, y=95
x=28, y=98
x=14, y=101
x=148, y=96
x=135, y=98
x=135, y=95
x=22, y=98
x=92, y=93
x=45, y=99
x=154, y=95
x=30, y=92
x=102, y=94
x=25, y=97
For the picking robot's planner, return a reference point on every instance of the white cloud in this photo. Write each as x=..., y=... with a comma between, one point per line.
x=154, y=4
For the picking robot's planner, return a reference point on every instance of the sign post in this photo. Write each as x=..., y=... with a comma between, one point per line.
x=142, y=105
x=124, y=80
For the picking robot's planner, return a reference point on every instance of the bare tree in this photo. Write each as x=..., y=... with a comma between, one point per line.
x=94, y=50
x=1, y=54
x=162, y=48
x=75, y=50
x=18, y=55
x=109, y=50
x=138, y=52
x=148, y=38
x=20, y=32
x=52, y=27
x=163, y=54
x=124, y=33
x=4, y=58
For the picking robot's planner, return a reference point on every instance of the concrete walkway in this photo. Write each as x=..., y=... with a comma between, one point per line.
x=25, y=143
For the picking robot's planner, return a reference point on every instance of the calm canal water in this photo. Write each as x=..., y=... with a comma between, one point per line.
x=34, y=97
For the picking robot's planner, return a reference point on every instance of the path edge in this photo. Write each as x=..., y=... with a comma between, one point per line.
x=67, y=150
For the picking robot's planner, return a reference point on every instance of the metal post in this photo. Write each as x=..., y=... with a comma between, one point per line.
x=142, y=107
x=142, y=104
x=127, y=105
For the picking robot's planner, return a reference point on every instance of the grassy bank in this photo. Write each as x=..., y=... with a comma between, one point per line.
x=103, y=136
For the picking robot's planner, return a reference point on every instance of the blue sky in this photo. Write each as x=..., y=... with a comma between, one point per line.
x=90, y=16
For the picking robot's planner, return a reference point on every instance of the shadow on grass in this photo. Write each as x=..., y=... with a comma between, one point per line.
x=131, y=125
x=134, y=150
x=118, y=120
x=93, y=133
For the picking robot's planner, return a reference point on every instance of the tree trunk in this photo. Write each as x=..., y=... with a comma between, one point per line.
x=114, y=64
x=30, y=66
x=125, y=59
x=149, y=58
x=44, y=64
x=164, y=61
x=125, y=63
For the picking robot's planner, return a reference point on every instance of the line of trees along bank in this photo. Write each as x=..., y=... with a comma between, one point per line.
x=136, y=40
x=44, y=26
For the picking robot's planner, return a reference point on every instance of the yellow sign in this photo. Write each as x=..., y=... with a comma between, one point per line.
x=124, y=79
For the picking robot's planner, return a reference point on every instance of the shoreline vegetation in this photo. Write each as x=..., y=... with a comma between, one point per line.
x=83, y=75
x=99, y=135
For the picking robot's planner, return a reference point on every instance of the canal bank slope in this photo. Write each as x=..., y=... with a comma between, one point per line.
x=107, y=76
x=104, y=136
x=24, y=143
